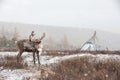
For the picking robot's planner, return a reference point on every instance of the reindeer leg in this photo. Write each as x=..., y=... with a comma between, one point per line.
x=38, y=57
x=34, y=57
x=19, y=55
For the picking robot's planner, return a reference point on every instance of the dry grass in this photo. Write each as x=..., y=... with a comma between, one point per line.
x=83, y=69
x=10, y=62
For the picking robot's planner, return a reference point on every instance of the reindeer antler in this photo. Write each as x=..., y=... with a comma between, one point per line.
x=42, y=36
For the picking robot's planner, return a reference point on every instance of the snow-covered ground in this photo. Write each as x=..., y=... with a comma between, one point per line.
x=21, y=74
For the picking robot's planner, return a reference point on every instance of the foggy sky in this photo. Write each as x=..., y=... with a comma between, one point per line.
x=98, y=14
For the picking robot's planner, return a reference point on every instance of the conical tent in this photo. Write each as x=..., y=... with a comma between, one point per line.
x=91, y=44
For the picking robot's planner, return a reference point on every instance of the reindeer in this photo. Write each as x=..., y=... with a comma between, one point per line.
x=26, y=46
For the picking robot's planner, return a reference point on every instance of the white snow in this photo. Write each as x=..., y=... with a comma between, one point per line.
x=49, y=59
x=18, y=74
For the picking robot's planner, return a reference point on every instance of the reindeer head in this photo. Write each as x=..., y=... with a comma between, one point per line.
x=38, y=41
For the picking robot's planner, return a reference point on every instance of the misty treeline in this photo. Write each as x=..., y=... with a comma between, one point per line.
x=61, y=44
x=8, y=38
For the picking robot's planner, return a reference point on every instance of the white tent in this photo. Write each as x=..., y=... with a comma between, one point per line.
x=88, y=46
x=91, y=44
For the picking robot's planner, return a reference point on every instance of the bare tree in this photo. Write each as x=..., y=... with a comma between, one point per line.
x=15, y=34
x=65, y=42
x=51, y=42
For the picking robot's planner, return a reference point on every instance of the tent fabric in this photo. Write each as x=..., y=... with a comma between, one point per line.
x=92, y=44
